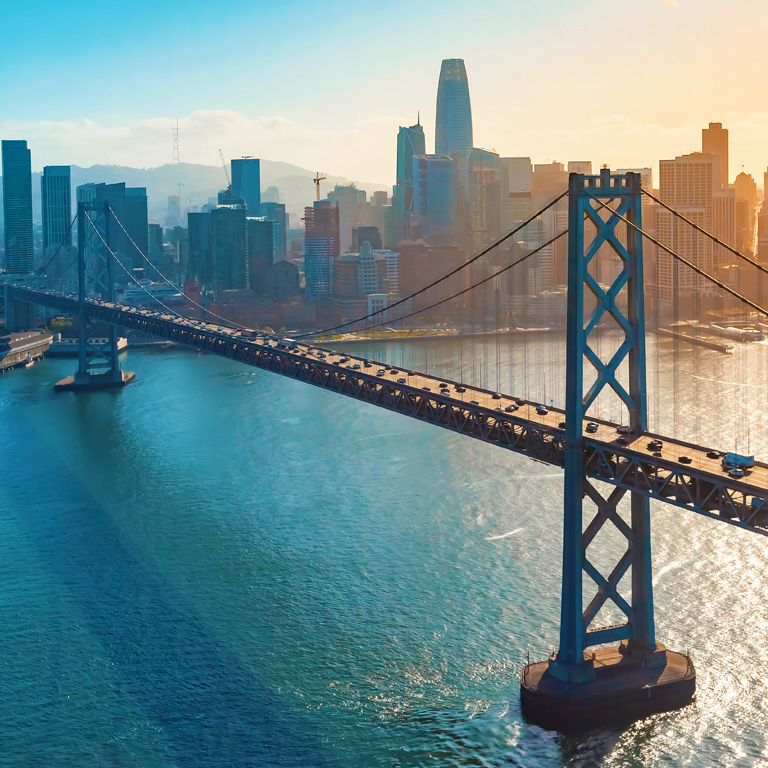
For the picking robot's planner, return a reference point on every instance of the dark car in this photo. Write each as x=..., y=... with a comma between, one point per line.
x=591, y=427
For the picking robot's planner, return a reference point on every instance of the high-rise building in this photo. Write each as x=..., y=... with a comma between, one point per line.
x=276, y=212
x=746, y=208
x=410, y=142
x=519, y=173
x=246, y=182
x=366, y=233
x=129, y=206
x=56, y=198
x=714, y=141
x=485, y=217
x=17, y=207
x=686, y=183
x=229, y=257
x=199, y=225
x=453, y=129
x=263, y=243
x=434, y=199
x=321, y=247
x=453, y=124
x=173, y=218
x=348, y=199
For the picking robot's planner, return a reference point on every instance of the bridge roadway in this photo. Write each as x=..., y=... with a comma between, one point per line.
x=700, y=485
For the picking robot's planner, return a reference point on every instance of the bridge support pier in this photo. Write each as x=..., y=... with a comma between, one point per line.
x=98, y=365
x=575, y=689
x=19, y=315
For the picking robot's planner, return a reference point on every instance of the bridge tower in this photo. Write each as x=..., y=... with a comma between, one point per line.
x=576, y=689
x=98, y=364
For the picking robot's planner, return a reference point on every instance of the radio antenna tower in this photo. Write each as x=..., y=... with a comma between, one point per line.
x=175, y=131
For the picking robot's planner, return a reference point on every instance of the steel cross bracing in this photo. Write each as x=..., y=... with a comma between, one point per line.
x=699, y=487
x=95, y=277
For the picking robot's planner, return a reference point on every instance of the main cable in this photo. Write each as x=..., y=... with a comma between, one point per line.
x=683, y=260
x=708, y=234
x=439, y=280
x=112, y=254
x=175, y=287
x=464, y=290
x=44, y=268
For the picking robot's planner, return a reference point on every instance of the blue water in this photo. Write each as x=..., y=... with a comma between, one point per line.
x=220, y=567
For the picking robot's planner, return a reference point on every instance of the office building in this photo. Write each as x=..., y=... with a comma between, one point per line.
x=453, y=123
x=363, y=234
x=410, y=142
x=485, y=190
x=229, y=257
x=686, y=183
x=199, y=228
x=271, y=195
x=714, y=141
x=518, y=172
x=17, y=207
x=276, y=212
x=321, y=247
x=263, y=243
x=434, y=200
x=348, y=199
x=246, y=183
x=129, y=206
x=56, y=199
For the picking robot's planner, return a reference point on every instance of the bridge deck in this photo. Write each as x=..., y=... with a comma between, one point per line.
x=700, y=485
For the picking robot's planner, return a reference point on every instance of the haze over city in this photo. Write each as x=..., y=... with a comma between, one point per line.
x=384, y=386
x=322, y=87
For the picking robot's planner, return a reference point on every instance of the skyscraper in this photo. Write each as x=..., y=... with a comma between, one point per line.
x=714, y=141
x=321, y=247
x=17, y=207
x=434, y=200
x=246, y=183
x=56, y=195
x=410, y=142
x=453, y=125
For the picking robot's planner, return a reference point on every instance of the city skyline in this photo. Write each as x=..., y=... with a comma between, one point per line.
x=521, y=92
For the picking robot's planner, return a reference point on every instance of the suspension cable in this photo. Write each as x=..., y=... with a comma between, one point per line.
x=146, y=258
x=44, y=268
x=439, y=280
x=682, y=260
x=703, y=231
x=463, y=291
x=112, y=254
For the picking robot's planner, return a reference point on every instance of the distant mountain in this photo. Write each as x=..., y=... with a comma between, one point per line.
x=201, y=182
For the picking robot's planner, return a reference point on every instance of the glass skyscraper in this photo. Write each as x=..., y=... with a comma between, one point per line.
x=410, y=142
x=56, y=195
x=453, y=125
x=246, y=183
x=17, y=207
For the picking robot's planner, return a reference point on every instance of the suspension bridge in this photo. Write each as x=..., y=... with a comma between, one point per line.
x=613, y=467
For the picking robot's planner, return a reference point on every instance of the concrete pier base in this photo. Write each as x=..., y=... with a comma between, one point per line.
x=613, y=687
x=92, y=382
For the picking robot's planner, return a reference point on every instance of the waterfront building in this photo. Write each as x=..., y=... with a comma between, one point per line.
x=56, y=200
x=321, y=247
x=17, y=207
x=246, y=183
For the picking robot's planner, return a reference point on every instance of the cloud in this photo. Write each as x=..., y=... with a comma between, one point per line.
x=361, y=150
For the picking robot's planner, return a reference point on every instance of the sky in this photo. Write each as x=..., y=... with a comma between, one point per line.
x=326, y=85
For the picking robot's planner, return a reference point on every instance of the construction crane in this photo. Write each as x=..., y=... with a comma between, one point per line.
x=226, y=172
x=317, y=179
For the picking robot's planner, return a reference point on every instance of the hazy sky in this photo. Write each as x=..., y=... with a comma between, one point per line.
x=326, y=84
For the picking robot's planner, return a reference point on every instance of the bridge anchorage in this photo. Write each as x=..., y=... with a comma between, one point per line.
x=576, y=689
x=98, y=365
